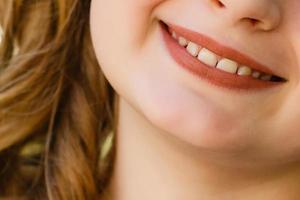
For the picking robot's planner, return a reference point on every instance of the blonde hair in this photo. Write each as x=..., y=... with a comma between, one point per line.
x=56, y=107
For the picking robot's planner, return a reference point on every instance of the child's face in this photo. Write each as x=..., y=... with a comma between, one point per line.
x=235, y=112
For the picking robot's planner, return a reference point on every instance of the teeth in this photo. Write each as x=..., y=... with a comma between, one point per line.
x=182, y=41
x=208, y=57
x=193, y=49
x=227, y=65
x=266, y=77
x=255, y=74
x=244, y=71
x=174, y=35
x=211, y=59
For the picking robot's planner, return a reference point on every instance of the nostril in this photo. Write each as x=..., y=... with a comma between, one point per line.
x=218, y=3
x=253, y=21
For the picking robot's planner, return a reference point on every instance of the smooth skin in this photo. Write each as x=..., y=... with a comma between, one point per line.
x=180, y=137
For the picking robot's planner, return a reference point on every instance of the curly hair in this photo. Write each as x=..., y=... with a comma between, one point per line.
x=57, y=110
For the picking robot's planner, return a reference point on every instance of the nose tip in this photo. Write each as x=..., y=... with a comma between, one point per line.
x=263, y=15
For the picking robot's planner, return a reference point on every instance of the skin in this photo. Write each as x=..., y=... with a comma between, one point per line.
x=180, y=137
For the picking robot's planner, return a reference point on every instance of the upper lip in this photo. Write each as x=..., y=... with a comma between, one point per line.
x=222, y=50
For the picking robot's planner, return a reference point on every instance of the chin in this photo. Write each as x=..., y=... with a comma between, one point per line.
x=201, y=125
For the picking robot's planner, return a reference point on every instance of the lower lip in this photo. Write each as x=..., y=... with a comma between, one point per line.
x=211, y=74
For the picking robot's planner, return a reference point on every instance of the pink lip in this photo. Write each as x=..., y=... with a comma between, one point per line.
x=213, y=75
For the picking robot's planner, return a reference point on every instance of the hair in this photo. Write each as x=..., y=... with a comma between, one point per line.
x=57, y=110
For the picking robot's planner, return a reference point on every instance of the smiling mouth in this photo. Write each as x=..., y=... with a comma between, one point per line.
x=220, y=65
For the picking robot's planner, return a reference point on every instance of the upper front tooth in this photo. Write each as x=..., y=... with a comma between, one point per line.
x=244, y=71
x=193, y=49
x=227, y=65
x=208, y=57
x=182, y=41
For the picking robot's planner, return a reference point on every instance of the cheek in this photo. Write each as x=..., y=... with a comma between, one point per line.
x=295, y=53
x=119, y=31
x=294, y=15
x=292, y=23
x=115, y=19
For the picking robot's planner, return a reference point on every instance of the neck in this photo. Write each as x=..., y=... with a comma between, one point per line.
x=151, y=164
